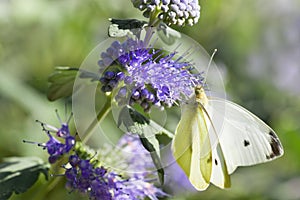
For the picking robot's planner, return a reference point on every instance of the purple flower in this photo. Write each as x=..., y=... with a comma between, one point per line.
x=176, y=182
x=56, y=148
x=151, y=76
x=179, y=12
x=139, y=170
x=84, y=177
x=104, y=179
x=132, y=181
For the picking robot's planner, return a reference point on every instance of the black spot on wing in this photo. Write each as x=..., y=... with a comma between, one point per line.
x=272, y=155
x=272, y=134
x=216, y=162
x=246, y=143
x=275, y=146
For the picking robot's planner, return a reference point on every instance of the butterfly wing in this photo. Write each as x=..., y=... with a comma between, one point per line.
x=244, y=138
x=191, y=146
x=219, y=176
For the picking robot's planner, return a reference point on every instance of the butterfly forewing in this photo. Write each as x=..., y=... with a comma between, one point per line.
x=191, y=146
x=244, y=138
x=202, y=150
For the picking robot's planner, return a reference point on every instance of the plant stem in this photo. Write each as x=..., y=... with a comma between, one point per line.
x=154, y=17
x=100, y=116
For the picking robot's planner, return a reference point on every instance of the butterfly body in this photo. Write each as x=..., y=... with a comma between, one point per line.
x=215, y=136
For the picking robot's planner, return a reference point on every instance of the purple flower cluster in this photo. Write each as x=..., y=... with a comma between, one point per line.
x=101, y=183
x=139, y=169
x=128, y=182
x=110, y=80
x=179, y=12
x=56, y=148
x=133, y=152
x=117, y=49
x=96, y=178
x=151, y=77
x=85, y=178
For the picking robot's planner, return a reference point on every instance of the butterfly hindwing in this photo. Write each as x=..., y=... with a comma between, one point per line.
x=219, y=176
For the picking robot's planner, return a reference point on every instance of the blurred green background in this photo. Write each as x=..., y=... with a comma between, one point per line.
x=258, y=46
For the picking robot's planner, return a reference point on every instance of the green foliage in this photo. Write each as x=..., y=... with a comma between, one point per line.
x=18, y=174
x=61, y=83
x=154, y=152
x=141, y=126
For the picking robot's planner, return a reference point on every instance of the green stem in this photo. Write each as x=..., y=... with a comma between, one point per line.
x=100, y=116
x=154, y=17
x=42, y=192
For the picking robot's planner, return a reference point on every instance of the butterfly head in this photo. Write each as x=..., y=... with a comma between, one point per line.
x=200, y=95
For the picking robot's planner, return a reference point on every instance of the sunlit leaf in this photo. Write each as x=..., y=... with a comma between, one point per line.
x=18, y=174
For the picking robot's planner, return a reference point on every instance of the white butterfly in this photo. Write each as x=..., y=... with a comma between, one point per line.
x=215, y=136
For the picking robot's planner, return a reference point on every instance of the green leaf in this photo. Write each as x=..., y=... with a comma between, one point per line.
x=138, y=117
x=61, y=83
x=151, y=144
x=133, y=120
x=18, y=174
x=147, y=136
x=147, y=130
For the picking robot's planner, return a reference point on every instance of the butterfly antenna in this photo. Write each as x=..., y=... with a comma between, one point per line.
x=209, y=64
